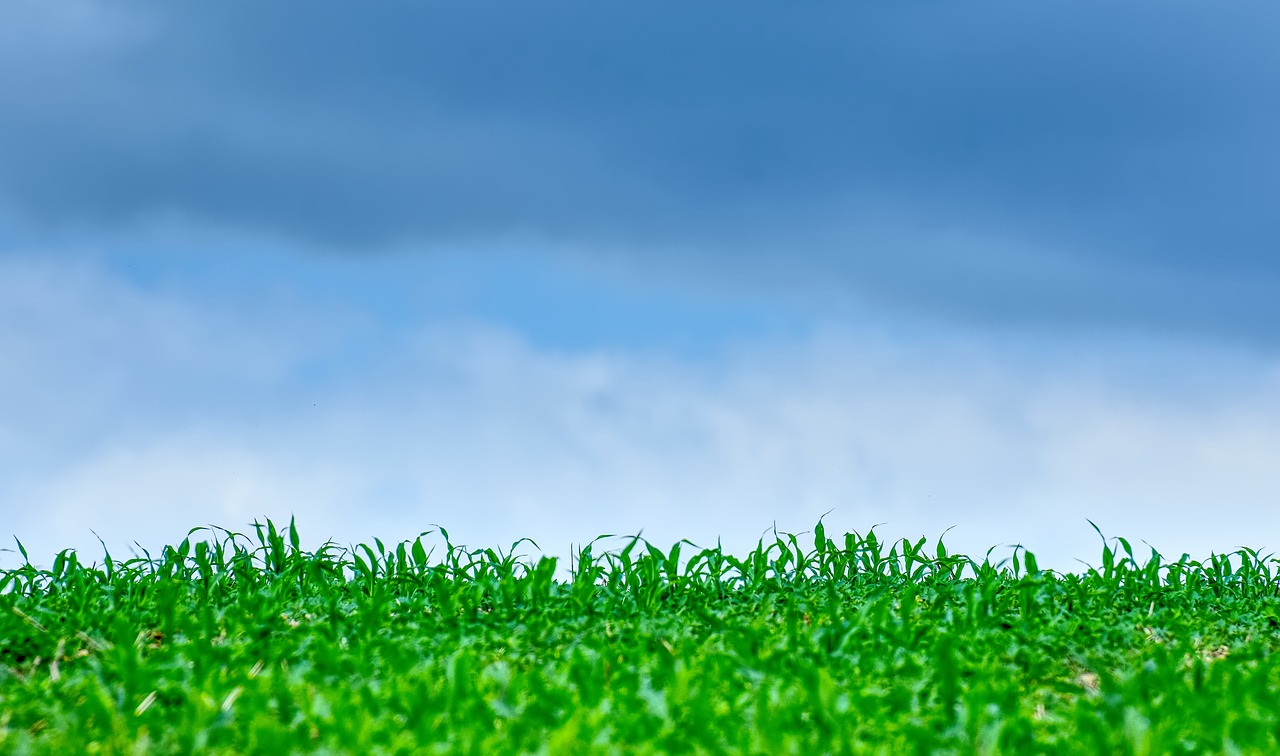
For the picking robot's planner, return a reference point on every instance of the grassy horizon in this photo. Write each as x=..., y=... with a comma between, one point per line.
x=236, y=644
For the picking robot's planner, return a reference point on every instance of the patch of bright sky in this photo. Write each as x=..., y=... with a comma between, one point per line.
x=576, y=303
x=554, y=301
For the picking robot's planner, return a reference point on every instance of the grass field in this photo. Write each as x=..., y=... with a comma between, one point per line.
x=807, y=645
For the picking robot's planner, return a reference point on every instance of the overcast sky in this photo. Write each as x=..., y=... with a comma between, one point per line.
x=561, y=269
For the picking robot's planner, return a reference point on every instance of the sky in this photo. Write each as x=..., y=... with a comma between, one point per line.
x=556, y=270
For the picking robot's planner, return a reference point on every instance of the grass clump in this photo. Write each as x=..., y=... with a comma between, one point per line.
x=848, y=645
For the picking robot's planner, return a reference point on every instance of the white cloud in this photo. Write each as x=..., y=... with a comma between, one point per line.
x=142, y=412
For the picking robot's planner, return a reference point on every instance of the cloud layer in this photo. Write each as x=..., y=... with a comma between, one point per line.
x=1077, y=163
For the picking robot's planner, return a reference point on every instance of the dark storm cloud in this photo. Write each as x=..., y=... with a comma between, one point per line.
x=963, y=155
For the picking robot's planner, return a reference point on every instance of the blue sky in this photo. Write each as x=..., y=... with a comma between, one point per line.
x=563, y=269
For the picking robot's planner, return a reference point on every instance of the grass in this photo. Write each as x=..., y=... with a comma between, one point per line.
x=227, y=644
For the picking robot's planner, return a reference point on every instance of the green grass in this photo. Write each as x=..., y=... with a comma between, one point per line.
x=226, y=644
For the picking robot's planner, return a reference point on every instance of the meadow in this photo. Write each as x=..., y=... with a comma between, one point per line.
x=809, y=644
